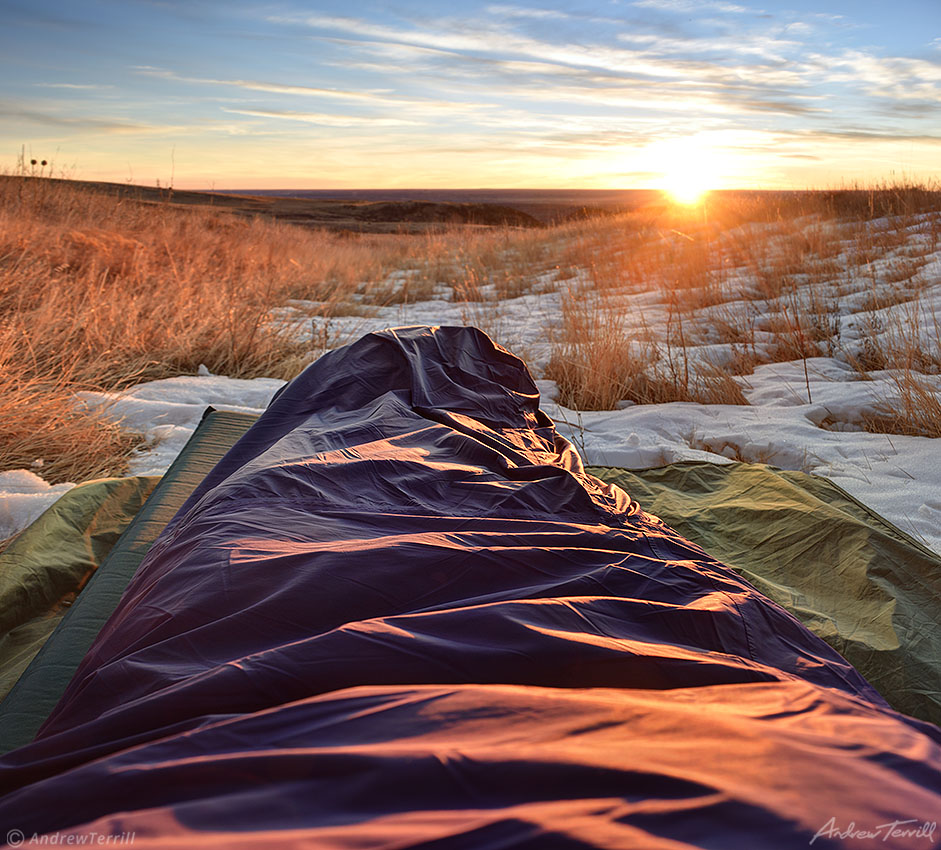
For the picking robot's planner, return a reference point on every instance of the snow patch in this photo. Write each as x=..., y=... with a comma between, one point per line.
x=23, y=497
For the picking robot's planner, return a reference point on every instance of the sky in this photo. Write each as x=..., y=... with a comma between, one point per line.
x=602, y=94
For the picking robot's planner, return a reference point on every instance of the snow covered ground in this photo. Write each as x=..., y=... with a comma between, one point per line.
x=898, y=476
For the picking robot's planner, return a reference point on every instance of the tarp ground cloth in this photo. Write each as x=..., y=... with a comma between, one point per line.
x=399, y=613
x=44, y=570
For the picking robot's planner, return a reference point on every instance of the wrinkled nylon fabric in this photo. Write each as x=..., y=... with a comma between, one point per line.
x=861, y=584
x=399, y=611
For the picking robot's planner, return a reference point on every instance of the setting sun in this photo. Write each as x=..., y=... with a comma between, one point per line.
x=688, y=169
x=686, y=186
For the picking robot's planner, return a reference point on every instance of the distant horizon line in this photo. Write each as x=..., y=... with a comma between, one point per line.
x=658, y=190
x=189, y=187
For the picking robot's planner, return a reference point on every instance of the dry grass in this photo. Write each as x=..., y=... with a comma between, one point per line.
x=598, y=363
x=100, y=292
x=605, y=369
x=608, y=370
x=908, y=340
x=793, y=255
x=44, y=430
x=916, y=411
x=908, y=344
x=103, y=293
x=97, y=292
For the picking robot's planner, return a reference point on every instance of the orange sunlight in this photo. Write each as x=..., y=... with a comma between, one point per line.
x=689, y=169
x=686, y=188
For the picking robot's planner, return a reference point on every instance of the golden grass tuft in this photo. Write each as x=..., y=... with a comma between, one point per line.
x=44, y=429
x=598, y=363
x=916, y=411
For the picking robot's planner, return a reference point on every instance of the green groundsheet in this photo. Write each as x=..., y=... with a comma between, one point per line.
x=44, y=569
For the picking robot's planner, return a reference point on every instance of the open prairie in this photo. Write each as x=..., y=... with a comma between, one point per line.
x=822, y=305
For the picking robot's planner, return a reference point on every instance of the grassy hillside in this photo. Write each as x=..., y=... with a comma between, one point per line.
x=102, y=287
x=348, y=215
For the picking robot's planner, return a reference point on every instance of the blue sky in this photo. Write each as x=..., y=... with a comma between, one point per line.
x=600, y=94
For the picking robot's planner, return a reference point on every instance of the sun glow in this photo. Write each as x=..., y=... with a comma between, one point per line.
x=686, y=186
x=689, y=169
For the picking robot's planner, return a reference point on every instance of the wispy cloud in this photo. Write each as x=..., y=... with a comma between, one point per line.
x=325, y=119
x=896, y=78
x=557, y=84
x=695, y=6
x=766, y=46
x=472, y=40
x=763, y=68
x=374, y=97
x=257, y=85
x=488, y=84
x=72, y=86
x=525, y=12
x=875, y=134
x=81, y=123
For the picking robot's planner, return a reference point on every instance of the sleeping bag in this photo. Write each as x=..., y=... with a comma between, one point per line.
x=399, y=613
